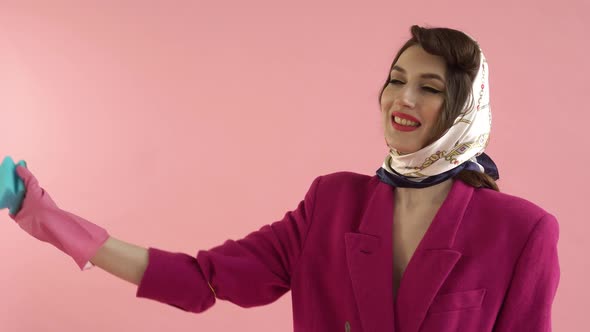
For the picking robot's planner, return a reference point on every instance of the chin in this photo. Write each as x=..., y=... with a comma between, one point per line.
x=403, y=150
x=406, y=151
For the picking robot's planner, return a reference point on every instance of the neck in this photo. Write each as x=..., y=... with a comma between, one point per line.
x=409, y=198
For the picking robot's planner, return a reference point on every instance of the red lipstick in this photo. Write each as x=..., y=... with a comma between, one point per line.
x=401, y=127
x=405, y=116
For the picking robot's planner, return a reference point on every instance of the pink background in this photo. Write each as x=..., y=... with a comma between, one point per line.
x=141, y=115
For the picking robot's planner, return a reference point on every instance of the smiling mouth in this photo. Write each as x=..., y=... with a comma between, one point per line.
x=405, y=122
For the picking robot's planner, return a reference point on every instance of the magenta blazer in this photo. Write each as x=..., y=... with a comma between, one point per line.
x=488, y=262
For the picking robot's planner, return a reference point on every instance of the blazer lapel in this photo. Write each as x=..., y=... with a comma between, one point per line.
x=370, y=261
x=369, y=254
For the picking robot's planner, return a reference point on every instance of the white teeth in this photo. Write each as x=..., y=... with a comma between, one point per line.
x=405, y=122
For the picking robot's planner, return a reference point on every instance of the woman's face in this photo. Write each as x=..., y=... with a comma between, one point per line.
x=415, y=90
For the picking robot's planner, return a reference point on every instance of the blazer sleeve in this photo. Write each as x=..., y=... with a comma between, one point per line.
x=527, y=305
x=251, y=271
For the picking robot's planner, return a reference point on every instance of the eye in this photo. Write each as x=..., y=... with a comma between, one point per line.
x=426, y=88
x=431, y=90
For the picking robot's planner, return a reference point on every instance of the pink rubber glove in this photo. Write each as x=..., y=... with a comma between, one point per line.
x=40, y=217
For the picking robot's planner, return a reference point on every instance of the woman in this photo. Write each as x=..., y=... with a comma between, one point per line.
x=427, y=244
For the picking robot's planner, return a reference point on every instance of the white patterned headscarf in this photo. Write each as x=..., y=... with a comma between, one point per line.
x=464, y=141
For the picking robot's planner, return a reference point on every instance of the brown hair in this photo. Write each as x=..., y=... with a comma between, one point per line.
x=461, y=54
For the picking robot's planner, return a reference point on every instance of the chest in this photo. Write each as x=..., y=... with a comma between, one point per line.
x=408, y=230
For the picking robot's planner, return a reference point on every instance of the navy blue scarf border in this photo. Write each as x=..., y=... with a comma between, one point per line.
x=398, y=180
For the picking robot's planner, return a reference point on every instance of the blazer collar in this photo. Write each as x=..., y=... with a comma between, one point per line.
x=369, y=254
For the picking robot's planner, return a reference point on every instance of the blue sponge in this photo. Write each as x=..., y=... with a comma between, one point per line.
x=12, y=187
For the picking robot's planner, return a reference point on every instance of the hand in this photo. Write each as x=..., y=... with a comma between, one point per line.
x=35, y=196
x=44, y=220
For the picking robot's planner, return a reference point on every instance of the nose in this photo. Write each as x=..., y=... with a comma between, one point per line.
x=406, y=97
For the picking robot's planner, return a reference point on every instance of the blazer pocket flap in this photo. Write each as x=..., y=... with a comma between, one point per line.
x=458, y=300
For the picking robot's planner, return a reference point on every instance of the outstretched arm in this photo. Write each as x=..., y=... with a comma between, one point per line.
x=121, y=259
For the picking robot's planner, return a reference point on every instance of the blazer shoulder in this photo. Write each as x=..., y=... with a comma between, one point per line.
x=347, y=180
x=510, y=207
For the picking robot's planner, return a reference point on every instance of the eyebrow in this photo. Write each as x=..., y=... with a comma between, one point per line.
x=426, y=75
